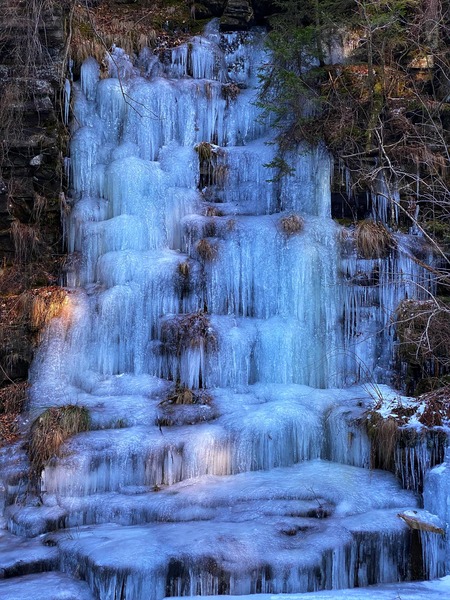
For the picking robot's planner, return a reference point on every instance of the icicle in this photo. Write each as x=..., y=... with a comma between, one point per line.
x=67, y=92
x=90, y=73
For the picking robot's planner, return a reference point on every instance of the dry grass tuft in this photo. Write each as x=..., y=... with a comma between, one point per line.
x=184, y=269
x=206, y=250
x=187, y=331
x=212, y=211
x=291, y=224
x=181, y=395
x=184, y=395
x=230, y=91
x=373, y=240
x=184, y=278
x=43, y=304
x=205, y=151
x=212, y=170
x=51, y=430
x=384, y=435
x=27, y=242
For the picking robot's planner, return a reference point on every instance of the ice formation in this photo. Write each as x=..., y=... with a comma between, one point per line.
x=186, y=282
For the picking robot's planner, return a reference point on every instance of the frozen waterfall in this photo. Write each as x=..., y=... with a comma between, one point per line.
x=215, y=316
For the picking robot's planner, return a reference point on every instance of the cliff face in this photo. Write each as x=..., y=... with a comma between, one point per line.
x=32, y=40
x=31, y=138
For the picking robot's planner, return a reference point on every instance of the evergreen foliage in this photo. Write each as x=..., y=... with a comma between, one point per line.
x=383, y=107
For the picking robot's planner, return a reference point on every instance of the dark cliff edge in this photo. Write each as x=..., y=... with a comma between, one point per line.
x=32, y=41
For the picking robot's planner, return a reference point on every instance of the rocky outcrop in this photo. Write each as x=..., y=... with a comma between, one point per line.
x=234, y=14
x=238, y=14
x=207, y=9
x=31, y=137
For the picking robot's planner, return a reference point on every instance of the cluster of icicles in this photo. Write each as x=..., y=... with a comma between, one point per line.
x=212, y=316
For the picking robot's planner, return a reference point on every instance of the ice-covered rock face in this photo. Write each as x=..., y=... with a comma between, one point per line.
x=208, y=321
x=174, y=211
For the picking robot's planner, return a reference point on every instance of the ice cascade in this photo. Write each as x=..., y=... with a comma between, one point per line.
x=214, y=317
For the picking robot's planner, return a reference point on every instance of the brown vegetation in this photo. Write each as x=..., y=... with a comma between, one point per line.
x=437, y=407
x=131, y=26
x=184, y=269
x=198, y=407
x=291, y=224
x=206, y=250
x=187, y=331
x=230, y=91
x=373, y=240
x=212, y=211
x=383, y=434
x=423, y=332
x=12, y=400
x=205, y=151
x=212, y=171
x=183, y=395
x=43, y=304
x=51, y=429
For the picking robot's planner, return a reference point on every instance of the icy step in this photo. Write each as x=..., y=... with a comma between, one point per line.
x=423, y=521
x=32, y=521
x=263, y=554
x=20, y=556
x=13, y=473
x=264, y=427
x=316, y=489
x=45, y=586
x=109, y=398
x=415, y=590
